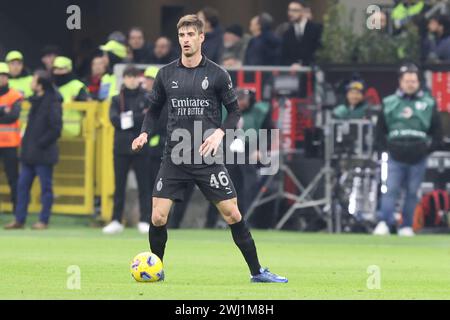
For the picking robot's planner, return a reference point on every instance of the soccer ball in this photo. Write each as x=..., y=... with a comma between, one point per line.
x=146, y=267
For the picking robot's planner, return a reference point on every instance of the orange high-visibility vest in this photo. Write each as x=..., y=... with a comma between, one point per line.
x=10, y=133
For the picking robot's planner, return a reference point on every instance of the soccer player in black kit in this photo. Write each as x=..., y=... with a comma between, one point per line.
x=193, y=89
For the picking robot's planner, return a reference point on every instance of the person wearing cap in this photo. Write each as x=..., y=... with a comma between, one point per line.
x=127, y=113
x=355, y=106
x=20, y=79
x=10, y=106
x=39, y=150
x=409, y=129
x=235, y=43
x=71, y=89
x=114, y=52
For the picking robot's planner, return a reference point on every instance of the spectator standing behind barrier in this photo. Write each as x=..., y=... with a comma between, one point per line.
x=355, y=106
x=408, y=129
x=127, y=113
x=302, y=39
x=264, y=47
x=93, y=81
x=71, y=89
x=163, y=52
x=39, y=152
x=235, y=44
x=436, y=46
x=10, y=105
x=213, y=45
x=20, y=79
x=141, y=52
x=114, y=52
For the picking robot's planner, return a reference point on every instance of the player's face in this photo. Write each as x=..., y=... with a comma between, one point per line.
x=190, y=40
x=409, y=83
x=15, y=67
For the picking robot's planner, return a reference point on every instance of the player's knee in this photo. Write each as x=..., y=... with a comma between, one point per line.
x=232, y=216
x=158, y=217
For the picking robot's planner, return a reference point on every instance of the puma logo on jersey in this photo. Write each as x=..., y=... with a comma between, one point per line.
x=174, y=84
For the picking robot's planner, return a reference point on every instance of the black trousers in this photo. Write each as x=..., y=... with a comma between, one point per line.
x=122, y=165
x=11, y=167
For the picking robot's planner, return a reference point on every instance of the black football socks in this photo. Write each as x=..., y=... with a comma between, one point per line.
x=157, y=237
x=244, y=240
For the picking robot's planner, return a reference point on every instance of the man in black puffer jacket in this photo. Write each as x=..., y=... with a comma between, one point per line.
x=39, y=152
x=127, y=113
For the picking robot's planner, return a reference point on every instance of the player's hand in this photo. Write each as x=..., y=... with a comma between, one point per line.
x=212, y=143
x=139, y=142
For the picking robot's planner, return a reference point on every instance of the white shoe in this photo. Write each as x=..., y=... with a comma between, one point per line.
x=406, y=232
x=381, y=229
x=143, y=227
x=113, y=227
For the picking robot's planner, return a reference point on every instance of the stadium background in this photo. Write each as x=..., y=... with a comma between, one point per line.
x=27, y=30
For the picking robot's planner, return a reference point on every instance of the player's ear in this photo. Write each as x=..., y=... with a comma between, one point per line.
x=202, y=37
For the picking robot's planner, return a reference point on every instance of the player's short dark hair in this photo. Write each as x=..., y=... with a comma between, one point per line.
x=131, y=71
x=191, y=20
x=211, y=15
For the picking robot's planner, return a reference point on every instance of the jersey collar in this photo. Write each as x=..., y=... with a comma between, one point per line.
x=202, y=62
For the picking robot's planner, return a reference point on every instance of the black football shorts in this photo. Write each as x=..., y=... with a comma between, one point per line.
x=213, y=181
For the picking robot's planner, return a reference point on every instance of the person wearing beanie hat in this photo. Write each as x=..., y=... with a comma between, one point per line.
x=114, y=52
x=355, y=106
x=71, y=89
x=235, y=43
x=19, y=78
x=10, y=139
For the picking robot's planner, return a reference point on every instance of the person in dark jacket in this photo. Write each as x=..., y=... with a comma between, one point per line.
x=409, y=129
x=302, y=39
x=264, y=47
x=213, y=45
x=39, y=152
x=127, y=113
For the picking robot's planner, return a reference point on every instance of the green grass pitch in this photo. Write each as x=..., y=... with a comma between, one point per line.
x=202, y=264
